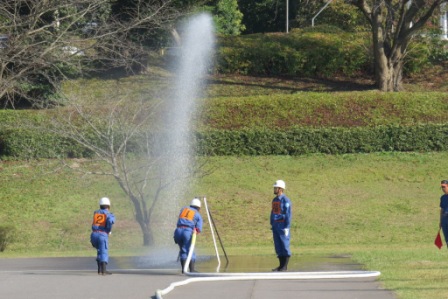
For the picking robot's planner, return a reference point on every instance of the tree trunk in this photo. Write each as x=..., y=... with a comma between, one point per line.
x=388, y=60
x=142, y=216
x=143, y=221
x=389, y=70
x=148, y=238
x=384, y=74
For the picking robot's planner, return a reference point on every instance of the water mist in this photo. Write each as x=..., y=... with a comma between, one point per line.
x=191, y=64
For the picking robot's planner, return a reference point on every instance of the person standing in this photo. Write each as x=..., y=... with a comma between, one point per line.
x=103, y=220
x=280, y=225
x=443, y=224
x=189, y=222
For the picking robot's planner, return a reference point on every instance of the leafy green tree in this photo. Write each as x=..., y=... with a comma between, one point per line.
x=228, y=18
x=394, y=24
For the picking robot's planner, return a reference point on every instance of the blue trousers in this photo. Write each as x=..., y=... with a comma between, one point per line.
x=281, y=242
x=182, y=237
x=101, y=242
x=445, y=228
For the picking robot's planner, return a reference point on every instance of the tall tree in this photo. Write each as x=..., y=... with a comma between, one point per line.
x=227, y=16
x=393, y=25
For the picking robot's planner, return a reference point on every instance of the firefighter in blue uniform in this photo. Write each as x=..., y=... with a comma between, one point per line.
x=280, y=225
x=443, y=224
x=189, y=221
x=101, y=229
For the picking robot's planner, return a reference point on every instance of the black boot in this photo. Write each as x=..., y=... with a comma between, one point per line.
x=103, y=269
x=182, y=264
x=99, y=267
x=285, y=264
x=192, y=266
x=280, y=261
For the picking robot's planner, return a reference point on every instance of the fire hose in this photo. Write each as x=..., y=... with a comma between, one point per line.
x=205, y=277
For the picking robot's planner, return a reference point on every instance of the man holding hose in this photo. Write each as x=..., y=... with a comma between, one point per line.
x=280, y=225
x=189, y=221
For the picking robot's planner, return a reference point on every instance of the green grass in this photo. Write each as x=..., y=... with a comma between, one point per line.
x=380, y=208
x=411, y=270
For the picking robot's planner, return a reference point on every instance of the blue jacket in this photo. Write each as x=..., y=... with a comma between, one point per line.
x=190, y=217
x=281, y=212
x=103, y=221
x=444, y=204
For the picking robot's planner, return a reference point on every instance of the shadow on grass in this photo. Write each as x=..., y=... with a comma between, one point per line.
x=292, y=85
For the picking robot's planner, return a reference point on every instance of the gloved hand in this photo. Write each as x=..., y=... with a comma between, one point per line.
x=197, y=230
x=278, y=217
x=286, y=231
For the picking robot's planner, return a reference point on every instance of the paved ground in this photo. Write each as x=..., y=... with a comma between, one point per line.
x=136, y=278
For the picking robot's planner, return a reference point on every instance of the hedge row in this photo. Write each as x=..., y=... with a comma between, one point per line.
x=24, y=144
x=298, y=141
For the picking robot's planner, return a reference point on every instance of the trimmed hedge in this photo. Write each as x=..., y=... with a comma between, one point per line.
x=21, y=137
x=23, y=144
x=298, y=141
x=26, y=144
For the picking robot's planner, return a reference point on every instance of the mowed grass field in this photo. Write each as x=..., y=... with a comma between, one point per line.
x=382, y=209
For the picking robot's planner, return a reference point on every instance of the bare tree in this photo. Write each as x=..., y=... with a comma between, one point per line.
x=123, y=138
x=50, y=40
x=393, y=25
x=47, y=41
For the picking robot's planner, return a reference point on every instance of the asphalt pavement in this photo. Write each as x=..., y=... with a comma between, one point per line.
x=142, y=277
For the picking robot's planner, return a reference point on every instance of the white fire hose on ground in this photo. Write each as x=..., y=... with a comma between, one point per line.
x=205, y=277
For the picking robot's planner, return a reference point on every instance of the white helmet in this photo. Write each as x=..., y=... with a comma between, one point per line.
x=195, y=202
x=280, y=184
x=104, y=201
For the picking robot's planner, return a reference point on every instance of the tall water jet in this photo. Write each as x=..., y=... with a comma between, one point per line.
x=191, y=65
